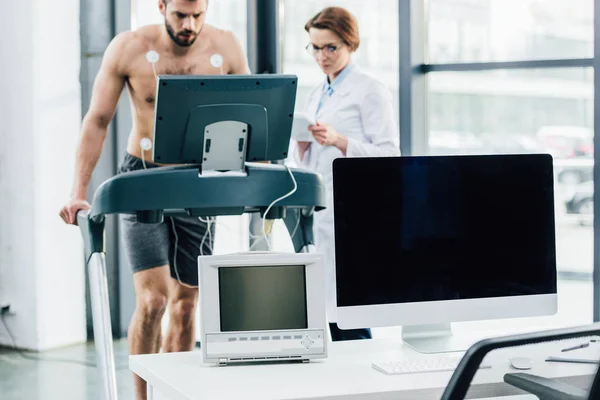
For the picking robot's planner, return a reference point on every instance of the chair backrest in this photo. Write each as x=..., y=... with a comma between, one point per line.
x=463, y=375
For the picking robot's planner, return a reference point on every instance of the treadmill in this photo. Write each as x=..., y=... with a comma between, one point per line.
x=220, y=140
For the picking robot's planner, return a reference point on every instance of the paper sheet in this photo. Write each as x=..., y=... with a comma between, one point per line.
x=300, y=132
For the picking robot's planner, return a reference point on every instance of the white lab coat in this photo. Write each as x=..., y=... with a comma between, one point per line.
x=361, y=109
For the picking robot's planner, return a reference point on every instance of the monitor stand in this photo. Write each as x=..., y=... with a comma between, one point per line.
x=437, y=338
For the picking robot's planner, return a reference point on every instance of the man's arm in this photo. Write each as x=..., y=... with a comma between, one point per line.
x=107, y=89
x=238, y=63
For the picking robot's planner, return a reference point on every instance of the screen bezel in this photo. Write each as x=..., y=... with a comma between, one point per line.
x=178, y=96
x=442, y=311
x=304, y=295
x=209, y=281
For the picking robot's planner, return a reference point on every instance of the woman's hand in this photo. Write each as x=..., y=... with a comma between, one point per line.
x=326, y=135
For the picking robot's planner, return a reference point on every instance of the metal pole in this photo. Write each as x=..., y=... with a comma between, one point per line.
x=412, y=79
x=596, y=273
x=102, y=327
x=263, y=36
x=263, y=58
x=97, y=30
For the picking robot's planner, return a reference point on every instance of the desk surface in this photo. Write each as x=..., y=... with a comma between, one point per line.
x=346, y=374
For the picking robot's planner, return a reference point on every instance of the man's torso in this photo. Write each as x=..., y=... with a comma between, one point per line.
x=141, y=79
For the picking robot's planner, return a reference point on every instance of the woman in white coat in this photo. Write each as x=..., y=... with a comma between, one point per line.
x=354, y=118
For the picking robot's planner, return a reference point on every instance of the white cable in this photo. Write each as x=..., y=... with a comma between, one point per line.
x=207, y=222
x=261, y=236
x=208, y=233
x=210, y=238
x=145, y=144
x=297, y=225
x=254, y=236
x=215, y=221
x=143, y=159
x=274, y=202
x=256, y=242
x=175, y=257
x=153, y=57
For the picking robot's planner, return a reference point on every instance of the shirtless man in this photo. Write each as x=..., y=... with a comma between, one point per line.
x=164, y=274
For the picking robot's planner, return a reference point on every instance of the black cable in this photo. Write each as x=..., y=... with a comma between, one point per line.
x=33, y=358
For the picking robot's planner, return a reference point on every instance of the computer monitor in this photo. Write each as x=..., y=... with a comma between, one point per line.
x=262, y=306
x=422, y=242
x=222, y=121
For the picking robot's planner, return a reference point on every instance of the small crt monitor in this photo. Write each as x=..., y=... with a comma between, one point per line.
x=262, y=306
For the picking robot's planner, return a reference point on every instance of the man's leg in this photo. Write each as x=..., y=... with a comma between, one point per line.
x=151, y=291
x=147, y=250
x=182, y=310
x=338, y=334
x=189, y=238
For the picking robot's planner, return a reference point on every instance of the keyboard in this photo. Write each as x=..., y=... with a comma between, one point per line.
x=437, y=364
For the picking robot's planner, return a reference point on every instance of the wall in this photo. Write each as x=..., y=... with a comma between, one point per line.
x=41, y=258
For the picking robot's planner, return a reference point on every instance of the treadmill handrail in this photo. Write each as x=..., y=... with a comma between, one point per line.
x=161, y=189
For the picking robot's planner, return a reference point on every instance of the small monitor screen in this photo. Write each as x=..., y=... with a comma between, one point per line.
x=420, y=229
x=262, y=298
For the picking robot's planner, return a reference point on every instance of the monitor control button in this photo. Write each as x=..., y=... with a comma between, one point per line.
x=307, y=342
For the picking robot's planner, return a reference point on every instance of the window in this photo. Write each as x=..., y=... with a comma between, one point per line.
x=525, y=110
x=531, y=111
x=377, y=53
x=506, y=30
x=509, y=103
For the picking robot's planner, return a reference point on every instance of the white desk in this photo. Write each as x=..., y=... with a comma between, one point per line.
x=346, y=374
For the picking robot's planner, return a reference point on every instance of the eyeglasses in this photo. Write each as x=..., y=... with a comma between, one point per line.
x=328, y=49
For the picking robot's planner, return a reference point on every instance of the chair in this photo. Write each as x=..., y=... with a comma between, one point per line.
x=544, y=388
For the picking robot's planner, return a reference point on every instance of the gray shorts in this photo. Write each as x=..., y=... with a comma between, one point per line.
x=175, y=242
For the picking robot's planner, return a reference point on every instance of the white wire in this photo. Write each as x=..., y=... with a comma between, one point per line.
x=208, y=233
x=175, y=258
x=297, y=225
x=154, y=70
x=210, y=238
x=155, y=80
x=260, y=237
x=274, y=202
x=220, y=224
x=256, y=242
x=143, y=158
x=209, y=222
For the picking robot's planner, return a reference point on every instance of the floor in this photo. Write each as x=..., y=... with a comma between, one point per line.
x=26, y=379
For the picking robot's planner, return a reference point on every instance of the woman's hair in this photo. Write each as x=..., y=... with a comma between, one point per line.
x=338, y=20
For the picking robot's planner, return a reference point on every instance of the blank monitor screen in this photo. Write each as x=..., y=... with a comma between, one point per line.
x=420, y=229
x=262, y=298
x=268, y=99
